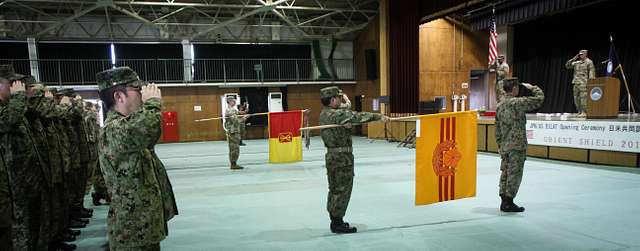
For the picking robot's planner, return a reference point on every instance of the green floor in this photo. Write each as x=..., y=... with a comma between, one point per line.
x=569, y=206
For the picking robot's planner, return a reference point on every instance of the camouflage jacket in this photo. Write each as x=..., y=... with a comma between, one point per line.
x=53, y=136
x=582, y=70
x=136, y=216
x=511, y=120
x=91, y=129
x=78, y=125
x=25, y=165
x=62, y=115
x=338, y=140
x=233, y=121
x=35, y=115
x=11, y=114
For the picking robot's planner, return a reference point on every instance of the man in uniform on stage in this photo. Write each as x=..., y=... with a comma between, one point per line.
x=502, y=71
x=511, y=136
x=583, y=70
x=339, y=157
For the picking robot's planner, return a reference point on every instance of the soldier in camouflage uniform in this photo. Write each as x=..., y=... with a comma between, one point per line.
x=583, y=70
x=55, y=140
x=100, y=189
x=339, y=157
x=35, y=114
x=233, y=122
x=12, y=109
x=26, y=177
x=138, y=215
x=511, y=137
x=502, y=71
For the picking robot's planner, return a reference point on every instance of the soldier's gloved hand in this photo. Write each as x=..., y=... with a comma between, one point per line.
x=527, y=85
x=65, y=100
x=348, y=125
x=385, y=118
x=77, y=98
x=16, y=86
x=48, y=94
x=150, y=91
x=345, y=99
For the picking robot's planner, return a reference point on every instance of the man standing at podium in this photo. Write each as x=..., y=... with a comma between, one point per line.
x=583, y=70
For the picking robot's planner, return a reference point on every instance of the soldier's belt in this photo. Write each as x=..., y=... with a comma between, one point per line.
x=346, y=149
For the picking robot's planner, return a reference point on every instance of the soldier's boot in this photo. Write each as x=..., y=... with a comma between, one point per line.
x=95, y=199
x=503, y=204
x=242, y=143
x=65, y=247
x=235, y=166
x=86, y=210
x=340, y=227
x=81, y=214
x=72, y=232
x=512, y=207
x=73, y=223
x=67, y=237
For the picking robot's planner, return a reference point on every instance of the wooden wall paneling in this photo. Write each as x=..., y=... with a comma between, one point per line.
x=492, y=145
x=613, y=158
x=572, y=154
x=482, y=137
x=538, y=151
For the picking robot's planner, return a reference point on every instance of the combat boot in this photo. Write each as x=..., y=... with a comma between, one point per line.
x=503, y=204
x=340, y=227
x=95, y=199
x=512, y=207
x=235, y=166
x=71, y=231
x=73, y=223
x=65, y=247
x=242, y=143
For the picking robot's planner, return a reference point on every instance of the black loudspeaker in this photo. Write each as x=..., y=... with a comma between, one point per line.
x=429, y=107
x=370, y=60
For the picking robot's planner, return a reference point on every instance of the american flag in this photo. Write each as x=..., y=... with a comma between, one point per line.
x=493, y=39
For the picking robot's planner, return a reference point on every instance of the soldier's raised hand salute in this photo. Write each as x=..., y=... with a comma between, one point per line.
x=150, y=91
x=17, y=86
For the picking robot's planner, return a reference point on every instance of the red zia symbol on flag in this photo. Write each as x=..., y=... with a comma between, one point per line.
x=445, y=158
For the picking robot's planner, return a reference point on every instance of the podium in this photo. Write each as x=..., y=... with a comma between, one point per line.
x=603, y=97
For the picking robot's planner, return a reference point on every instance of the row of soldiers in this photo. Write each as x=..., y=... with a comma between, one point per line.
x=48, y=150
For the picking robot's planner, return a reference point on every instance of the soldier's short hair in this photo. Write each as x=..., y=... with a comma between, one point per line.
x=106, y=95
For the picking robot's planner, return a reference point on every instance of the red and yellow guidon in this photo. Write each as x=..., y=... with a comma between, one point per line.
x=445, y=158
x=285, y=137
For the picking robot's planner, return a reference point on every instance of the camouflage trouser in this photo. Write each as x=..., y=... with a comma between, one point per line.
x=45, y=229
x=511, y=167
x=580, y=97
x=98, y=184
x=5, y=221
x=243, y=131
x=26, y=215
x=340, y=185
x=58, y=210
x=151, y=247
x=91, y=175
x=499, y=87
x=234, y=147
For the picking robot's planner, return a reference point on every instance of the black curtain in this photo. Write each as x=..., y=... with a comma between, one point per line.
x=543, y=46
x=404, y=19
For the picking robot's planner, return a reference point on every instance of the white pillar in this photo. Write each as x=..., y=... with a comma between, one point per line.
x=33, y=58
x=187, y=57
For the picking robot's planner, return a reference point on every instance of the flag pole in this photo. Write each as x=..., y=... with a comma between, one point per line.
x=630, y=106
x=244, y=115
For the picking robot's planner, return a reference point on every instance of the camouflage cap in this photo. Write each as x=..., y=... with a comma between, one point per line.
x=583, y=52
x=7, y=72
x=69, y=92
x=29, y=80
x=329, y=92
x=118, y=76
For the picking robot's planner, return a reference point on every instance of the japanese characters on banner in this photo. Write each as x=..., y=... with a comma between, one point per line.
x=597, y=135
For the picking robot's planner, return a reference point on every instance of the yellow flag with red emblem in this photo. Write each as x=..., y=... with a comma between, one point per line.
x=285, y=141
x=446, y=150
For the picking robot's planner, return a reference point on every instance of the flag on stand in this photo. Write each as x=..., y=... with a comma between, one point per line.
x=613, y=64
x=285, y=141
x=446, y=149
x=493, y=39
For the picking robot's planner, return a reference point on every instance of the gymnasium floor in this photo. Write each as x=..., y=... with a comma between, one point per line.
x=569, y=206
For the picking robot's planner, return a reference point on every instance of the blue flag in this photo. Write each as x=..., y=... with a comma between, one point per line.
x=613, y=64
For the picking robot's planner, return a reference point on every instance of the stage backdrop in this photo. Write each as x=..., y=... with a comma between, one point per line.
x=543, y=46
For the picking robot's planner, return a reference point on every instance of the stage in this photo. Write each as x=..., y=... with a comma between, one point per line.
x=565, y=136
x=614, y=141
